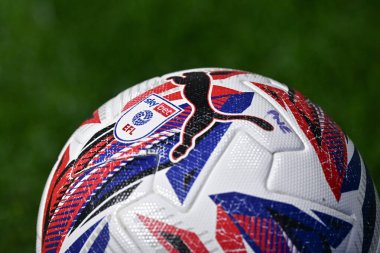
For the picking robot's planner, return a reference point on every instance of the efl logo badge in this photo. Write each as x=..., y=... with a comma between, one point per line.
x=144, y=118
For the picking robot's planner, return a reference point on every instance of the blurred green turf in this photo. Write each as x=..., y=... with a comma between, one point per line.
x=60, y=60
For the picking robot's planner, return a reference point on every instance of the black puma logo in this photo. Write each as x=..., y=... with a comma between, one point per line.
x=197, y=90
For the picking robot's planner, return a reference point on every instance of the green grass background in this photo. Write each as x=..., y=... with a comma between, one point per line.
x=60, y=60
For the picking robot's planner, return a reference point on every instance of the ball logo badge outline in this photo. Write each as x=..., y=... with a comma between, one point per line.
x=132, y=125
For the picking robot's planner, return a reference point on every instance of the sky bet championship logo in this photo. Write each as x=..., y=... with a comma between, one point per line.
x=155, y=110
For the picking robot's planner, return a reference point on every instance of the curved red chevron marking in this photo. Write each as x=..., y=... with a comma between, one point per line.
x=327, y=138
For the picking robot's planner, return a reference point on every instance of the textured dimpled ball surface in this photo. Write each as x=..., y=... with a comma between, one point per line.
x=209, y=160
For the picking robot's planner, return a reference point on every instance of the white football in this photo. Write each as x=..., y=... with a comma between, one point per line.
x=209, y=160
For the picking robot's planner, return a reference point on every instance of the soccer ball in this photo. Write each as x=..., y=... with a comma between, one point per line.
x=209, y=160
